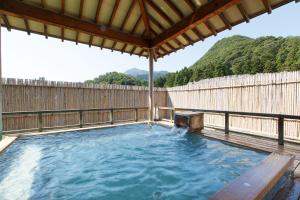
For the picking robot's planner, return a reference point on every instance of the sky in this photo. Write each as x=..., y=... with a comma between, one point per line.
x=31, y=57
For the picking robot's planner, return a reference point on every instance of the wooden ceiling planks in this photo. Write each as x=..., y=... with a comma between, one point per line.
x=166, y=28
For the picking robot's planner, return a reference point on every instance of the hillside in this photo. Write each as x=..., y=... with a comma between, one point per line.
x=117, y=78
x=240, y=55
x=143, y=74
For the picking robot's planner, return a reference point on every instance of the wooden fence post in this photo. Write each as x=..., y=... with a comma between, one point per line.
x=80, y=119
x=171, y=115
x=136, y=115
x=111, y=116
x=40, y=121
x=280, y=130
x=226, y=123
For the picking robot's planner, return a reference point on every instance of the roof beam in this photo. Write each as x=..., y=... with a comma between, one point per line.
x=111, y=20
x=99, y=5
x=145, y=18
x=125, y=21
x=27, y=26
x=176, y=10
x=190, y=4
x=128, y=14
x=197, y=32
x=23, y=10
x=159, y=11
x=211, y=9
x=243, y=12
x=267, y=6
x=225, y=21
x=208, y=25
x=80, y=15
x=6, y=22
x=62, y=12
x=132, y=31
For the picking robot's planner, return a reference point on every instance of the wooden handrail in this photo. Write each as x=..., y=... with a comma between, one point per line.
x=279, y=117
x=40, y=114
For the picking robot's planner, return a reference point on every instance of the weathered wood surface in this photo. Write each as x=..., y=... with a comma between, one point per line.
x=254, y=142
x=262, y=93
x=31, y=95
x=256, y=183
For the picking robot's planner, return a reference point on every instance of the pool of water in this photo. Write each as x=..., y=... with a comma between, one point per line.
x=128, y=162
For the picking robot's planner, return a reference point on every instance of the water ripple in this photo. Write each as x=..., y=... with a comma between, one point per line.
x=130, y=162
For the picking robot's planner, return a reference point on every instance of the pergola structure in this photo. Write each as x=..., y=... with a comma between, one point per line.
x=148, y=28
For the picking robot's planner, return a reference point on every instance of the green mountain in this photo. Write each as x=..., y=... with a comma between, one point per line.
x=240, y=55
x=117, y=78
x=143, y=74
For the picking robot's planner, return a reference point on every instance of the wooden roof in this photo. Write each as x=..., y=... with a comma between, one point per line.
x=131, y=26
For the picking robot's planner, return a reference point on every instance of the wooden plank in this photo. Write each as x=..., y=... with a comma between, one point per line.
x=145, y=17
x=256, y=183
x=19, y=9
x=211, y=9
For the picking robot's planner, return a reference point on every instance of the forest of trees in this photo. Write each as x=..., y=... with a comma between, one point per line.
x=117, y=78
x=229, y=56
x=240, y=55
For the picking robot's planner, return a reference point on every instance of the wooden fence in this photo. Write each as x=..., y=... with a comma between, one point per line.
x=32, y=95
x=277, y=93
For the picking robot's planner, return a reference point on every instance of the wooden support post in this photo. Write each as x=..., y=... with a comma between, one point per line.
x=40, y=121
x=280, y=130
x=150, y=87
x=226, y=123
x=172, y=115
x=111, y=116
x=80, y=119
x=136, y=115
x=1, y=123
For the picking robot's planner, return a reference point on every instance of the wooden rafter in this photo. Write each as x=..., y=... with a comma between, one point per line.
x=197, y=32
x=211, y=9
x=62, y=12
x=142, y=51
x=176, y=10
x=267, y=6
x=125, y=21
x=159, y=11
x=164, y=50
x=128, y=14
x=80, y=16
x=99, y=5
x=46, y=31
x=23, y=10
x=243, y=12
x=111, y=19
x=180, y=14
x=190, y=4
x=132, y=31
x=113, y=14
x=133, y=50
x=45, y=25
x=27, y=26
x=145, y=18
x=6, y=22
x=170, y=46
x=187, y=38
x=208, y=25
x=225, y=21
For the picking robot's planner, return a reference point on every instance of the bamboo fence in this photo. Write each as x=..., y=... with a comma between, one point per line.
x=277, y=93
x=33, y=95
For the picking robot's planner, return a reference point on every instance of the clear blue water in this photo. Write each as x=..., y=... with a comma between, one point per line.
x=130, y=162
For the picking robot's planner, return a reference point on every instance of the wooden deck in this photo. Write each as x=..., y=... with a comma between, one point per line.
x=254, y=142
